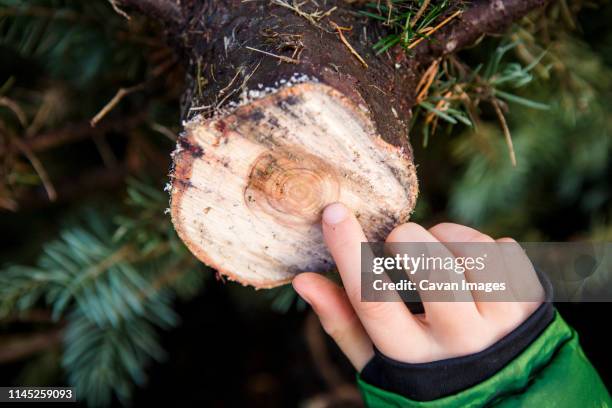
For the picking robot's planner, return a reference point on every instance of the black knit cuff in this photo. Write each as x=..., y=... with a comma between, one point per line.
x=437, y=379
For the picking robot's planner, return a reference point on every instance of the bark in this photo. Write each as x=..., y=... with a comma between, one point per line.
x=168, y=12
x=483, y=17
x=288, y=109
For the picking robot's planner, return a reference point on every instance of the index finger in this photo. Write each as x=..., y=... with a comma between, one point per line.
x=383, y=321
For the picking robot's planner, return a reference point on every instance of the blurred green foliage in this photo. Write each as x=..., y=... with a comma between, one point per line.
x=560, y=188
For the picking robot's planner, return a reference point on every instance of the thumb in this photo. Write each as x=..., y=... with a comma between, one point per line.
x=336, y=315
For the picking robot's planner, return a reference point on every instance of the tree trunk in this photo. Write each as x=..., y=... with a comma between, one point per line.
x=286, y=110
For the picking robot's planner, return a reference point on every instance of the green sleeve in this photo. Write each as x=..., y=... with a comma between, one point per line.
x=552, y=372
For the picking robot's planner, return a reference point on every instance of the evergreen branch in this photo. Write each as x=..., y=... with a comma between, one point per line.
x=454, y=92
x=102, y=361
x=116, y=285
x=480, y=18
x=20, y=288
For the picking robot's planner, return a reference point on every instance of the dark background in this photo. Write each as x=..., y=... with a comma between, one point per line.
x=235, y=346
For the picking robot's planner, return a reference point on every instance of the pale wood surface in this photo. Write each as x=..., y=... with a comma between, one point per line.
x=248, y=188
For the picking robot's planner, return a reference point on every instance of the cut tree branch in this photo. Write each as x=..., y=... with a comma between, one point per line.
x=288, y=108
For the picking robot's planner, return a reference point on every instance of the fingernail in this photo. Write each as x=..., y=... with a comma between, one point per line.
x=334, y=214
x=300, y=294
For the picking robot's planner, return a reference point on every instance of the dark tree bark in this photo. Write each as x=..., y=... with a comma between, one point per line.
x=482, y=17
x=213, y=36
x=241, y=57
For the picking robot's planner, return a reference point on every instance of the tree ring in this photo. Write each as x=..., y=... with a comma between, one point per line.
x=291, y=186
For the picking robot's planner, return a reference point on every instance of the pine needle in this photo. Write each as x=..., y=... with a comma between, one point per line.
x=38, y=167
x=429, y=31
x=164, y=130
x=15, y=108
x=339, y=30
x=121, y=93
x=506, y=130
x=313, y=18
x=280, y=57
x=419, y=13
x=118, y=10
x=426, y=80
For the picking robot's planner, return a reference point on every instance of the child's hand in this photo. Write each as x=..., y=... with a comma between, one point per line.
x=446, y=330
